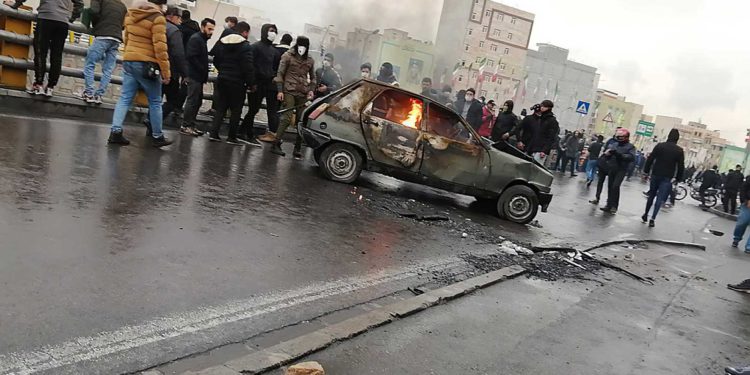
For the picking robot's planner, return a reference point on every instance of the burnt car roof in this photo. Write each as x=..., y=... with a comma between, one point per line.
x=405, y=91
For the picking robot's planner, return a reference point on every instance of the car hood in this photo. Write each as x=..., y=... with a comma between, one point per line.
x=525, y=166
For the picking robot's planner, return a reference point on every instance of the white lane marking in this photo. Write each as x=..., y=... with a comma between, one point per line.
x=96, y=347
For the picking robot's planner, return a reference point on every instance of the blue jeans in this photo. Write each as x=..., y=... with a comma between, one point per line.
x=104, y=50
x=743, y=220
x=660, y=189
x=132, y=80
x=591, y=167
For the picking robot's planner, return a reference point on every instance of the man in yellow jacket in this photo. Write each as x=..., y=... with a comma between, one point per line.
x=145, y=66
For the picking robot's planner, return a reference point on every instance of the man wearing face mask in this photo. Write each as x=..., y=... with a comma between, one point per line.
x=471, y=109
x=295, y=82
x=617, y=157
x=365, y=70
x=386, y=74
x=506, y=123
x=327, y=78
x=229, y=25
x=264, y=56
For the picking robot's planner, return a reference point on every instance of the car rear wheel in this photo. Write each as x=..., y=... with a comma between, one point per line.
x=341, y=162
x=519, y=204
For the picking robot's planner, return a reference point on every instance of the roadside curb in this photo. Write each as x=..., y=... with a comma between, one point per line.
x=291, y=350
x=723, y=214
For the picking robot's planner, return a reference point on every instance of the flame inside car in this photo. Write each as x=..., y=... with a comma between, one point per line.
x=415, y=114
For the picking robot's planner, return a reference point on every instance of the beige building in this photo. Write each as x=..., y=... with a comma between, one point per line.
x=612, y=111
x=482, y=44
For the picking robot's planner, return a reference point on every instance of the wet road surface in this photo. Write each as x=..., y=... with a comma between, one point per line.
x=120, y=258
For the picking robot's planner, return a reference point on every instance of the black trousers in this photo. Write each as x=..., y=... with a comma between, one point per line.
x=254, y=99
x=49, y=38
x=613, y=187
x=730, y=201
x=228, y=96
x=172, y=93
x=600, y=183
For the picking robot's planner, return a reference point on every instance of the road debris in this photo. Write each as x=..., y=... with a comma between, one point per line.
x=306, y=368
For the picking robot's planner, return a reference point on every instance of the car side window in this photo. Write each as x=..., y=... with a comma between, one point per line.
x=447, y=124
x=399, y=108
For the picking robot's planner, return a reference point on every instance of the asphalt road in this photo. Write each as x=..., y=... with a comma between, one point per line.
x=115, y=259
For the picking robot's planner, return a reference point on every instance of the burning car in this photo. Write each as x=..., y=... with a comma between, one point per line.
x=374, y=126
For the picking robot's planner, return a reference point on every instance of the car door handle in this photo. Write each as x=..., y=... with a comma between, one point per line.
x=371, y=122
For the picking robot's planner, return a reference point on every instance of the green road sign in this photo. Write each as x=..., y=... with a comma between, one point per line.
x=645, y=128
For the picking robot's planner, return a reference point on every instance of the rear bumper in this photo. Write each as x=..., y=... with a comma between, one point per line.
x=544, y=200
x=314, y=139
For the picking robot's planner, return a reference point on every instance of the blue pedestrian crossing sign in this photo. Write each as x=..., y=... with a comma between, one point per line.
x=583, y=107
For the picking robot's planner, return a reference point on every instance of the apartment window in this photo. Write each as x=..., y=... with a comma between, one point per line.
x=460, y=78
x=487, y=13
x=466, y=47
x=493, y=47
x=500, y=17
x=474, y=16
x=490, y=63
x=513, y=20
x=481, y=43
x=506, y=51
x=470, y=31
x=502, y=66
x=484, y=29
x=483, y=93
x=463, y=62
x=510, y=36
x=473, y=75
x=496, y=32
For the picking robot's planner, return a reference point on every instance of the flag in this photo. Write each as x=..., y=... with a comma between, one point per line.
x=557, y=89
x=525, y=81
x=515, y=91
x=480, y=77
x=546, y=89
x=494, y=76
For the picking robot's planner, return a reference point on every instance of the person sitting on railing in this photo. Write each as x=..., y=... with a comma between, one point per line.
x=51, y=31
x=107, y=17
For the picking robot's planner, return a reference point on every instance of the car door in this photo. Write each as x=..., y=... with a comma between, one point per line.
x=453, y=153
x=391, y=123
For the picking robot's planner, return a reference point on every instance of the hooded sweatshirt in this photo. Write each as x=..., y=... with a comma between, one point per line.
x=386, y=74
x=188, y=28
x=265, y=57
x=233, y=59
x=667, y=159
x=296, y=75
x=146, y=36
x=56, y=10
x=506, y=122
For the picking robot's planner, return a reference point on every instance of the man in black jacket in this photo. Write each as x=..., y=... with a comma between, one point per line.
x=265, y=63
x=668, y=162
x=177, y=61
x=188, y=27
x=471, y=109
x=327, y=79
x=197, y=57
x=743, y=219
x=710, y=180
x=107, y=18
x=505, y=124
x=595, y=149
x=616, y=159
x=731, y=188
x=538, y=132
x=233, y=58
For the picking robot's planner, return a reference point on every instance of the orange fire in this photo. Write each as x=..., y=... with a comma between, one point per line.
x=415, y=114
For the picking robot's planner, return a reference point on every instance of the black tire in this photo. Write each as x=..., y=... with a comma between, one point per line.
x=711, y=200
x=680, y=193
x=341, y=162
x=519, y=204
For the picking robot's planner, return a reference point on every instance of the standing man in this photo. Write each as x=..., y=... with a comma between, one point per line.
x=177, y=61
x=327, y=78
x=229, y=27
x=265, y=58
x=428, y=91
x=471, y=109
x=365, y=70
x=197, y=76
x=386, y=74
x=539, y=131
x=570, y=150
x=711, y=179
x=743, y=220
x=295, y=82
x=731, y=188
x=107, y=17
x=668, y=161
x=145, y=66
x=618, y=157
x=188, y=27
x=595, y=149
x=49, y=38
x=488, y=119
x=506, y=123
x=233, y=58
x=281, y=49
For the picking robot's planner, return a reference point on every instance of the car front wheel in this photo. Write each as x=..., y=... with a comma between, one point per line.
x=519, y=204
x=341, y=162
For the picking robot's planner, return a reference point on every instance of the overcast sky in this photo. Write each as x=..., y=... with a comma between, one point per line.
x=682, y=58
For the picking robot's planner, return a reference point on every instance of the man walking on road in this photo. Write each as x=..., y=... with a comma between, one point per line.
x=570, y=150
x=145, y=66
x=506, y=124
x=295, y=82
x=107, y=17
x=595, y=149
x=471, y=109
x=743, y=219
x=49, y=38
x=265, y=58
x=234, y=61
x=731, y=187
x=177, y=61
x=197, y=57
x=668, y=162
x=327, y=78
x=617, y=157
x=710, y=179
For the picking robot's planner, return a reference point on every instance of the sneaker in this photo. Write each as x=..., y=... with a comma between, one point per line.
x=251, y=140
x=644, y=218
x=606, y=209
x=268, y=137
x=297, y=155
x=741, y=287
x=214, y=137
x=161, y=142
x=668, y=205
x=574, y=175
x=735, y=243
x=594, y=201
x=88, y=98
x=187, y=131
x=651, y=224
x=276, y=149
x=47, y=92
x=35, y=89
x=98, y=99
x=116, y=138
x=737, y=370
x=198, y=133
x=234, y=141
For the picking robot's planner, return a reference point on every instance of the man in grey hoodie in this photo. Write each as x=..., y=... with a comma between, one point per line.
x=52, y=21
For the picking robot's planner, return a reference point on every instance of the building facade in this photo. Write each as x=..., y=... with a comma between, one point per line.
x=550, y=75
x=483, y=44
x=612, y=111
